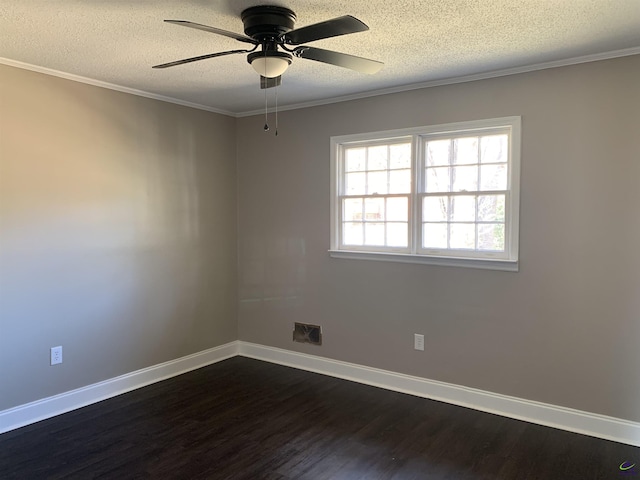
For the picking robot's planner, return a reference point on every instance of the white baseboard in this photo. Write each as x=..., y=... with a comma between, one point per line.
x=51, y=406
x=592, y=424
x=595, y=425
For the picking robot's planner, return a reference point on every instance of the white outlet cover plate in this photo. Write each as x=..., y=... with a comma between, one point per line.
x=56, y=355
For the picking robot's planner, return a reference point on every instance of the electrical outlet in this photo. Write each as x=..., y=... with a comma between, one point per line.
x=418, y=341
x=56, y=355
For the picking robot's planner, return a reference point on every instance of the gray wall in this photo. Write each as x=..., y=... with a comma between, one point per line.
x=117, y=233
x=563, y=330
x=118, y=240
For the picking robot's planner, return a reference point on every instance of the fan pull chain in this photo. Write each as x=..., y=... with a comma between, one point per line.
x=276, y=110
x=266, y=106
x=266, y=124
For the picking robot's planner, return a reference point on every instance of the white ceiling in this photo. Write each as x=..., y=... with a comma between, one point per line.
x=421, y=41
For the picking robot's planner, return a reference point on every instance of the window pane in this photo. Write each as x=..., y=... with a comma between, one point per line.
x=437, y=179
x=352, y=233
x=491, y=208
x=374, y=209
x=377, y=158
x=466, y=150
x=463, y=235
x=377, y=182
x=352, y=209
x=398, y=209
x=434, y=235
x=491, y=237
x=463, y=209
x=354, y=159
x=400, y=156
x=398, y=234
x=493, y=177
x=355, y=184
x=438, y=152
x=374, y=234
x=435, y=209
x=400, y=181
x=451, y=191
x=493, y=149
x=465, y=179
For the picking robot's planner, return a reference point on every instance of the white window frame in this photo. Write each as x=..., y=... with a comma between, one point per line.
x=507, y=261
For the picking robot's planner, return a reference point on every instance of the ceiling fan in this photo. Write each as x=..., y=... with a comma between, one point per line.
x=271, y=28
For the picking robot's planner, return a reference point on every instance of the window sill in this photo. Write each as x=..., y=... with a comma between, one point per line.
x=485, y=264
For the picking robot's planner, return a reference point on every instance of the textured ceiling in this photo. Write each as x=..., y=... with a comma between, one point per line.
x=117, y=42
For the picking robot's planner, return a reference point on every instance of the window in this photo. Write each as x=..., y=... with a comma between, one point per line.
x=446, y=194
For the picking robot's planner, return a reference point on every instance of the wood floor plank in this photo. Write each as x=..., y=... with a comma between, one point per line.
x=245, y=419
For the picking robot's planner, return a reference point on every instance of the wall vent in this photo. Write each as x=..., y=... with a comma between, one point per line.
x=305, y=333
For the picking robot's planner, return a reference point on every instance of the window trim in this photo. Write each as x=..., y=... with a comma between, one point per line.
x=415, y=254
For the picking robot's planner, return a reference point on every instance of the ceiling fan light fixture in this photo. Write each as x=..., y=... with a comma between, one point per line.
x=269, y=64
x=271, y=28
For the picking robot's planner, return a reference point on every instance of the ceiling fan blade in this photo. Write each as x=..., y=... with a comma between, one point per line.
x=359, y=64
x=219, y=31
x=329, y=28
x=201, y=57
x=270, y=82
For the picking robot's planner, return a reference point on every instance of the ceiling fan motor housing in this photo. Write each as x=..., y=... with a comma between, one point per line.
x=268, y=22
x=270, y=28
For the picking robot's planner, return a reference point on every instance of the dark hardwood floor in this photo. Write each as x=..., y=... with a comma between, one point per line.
x=246, y=419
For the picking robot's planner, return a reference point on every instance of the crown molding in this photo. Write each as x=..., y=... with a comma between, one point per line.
x=454, y=80
x=343, y=98
x=110, y=86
